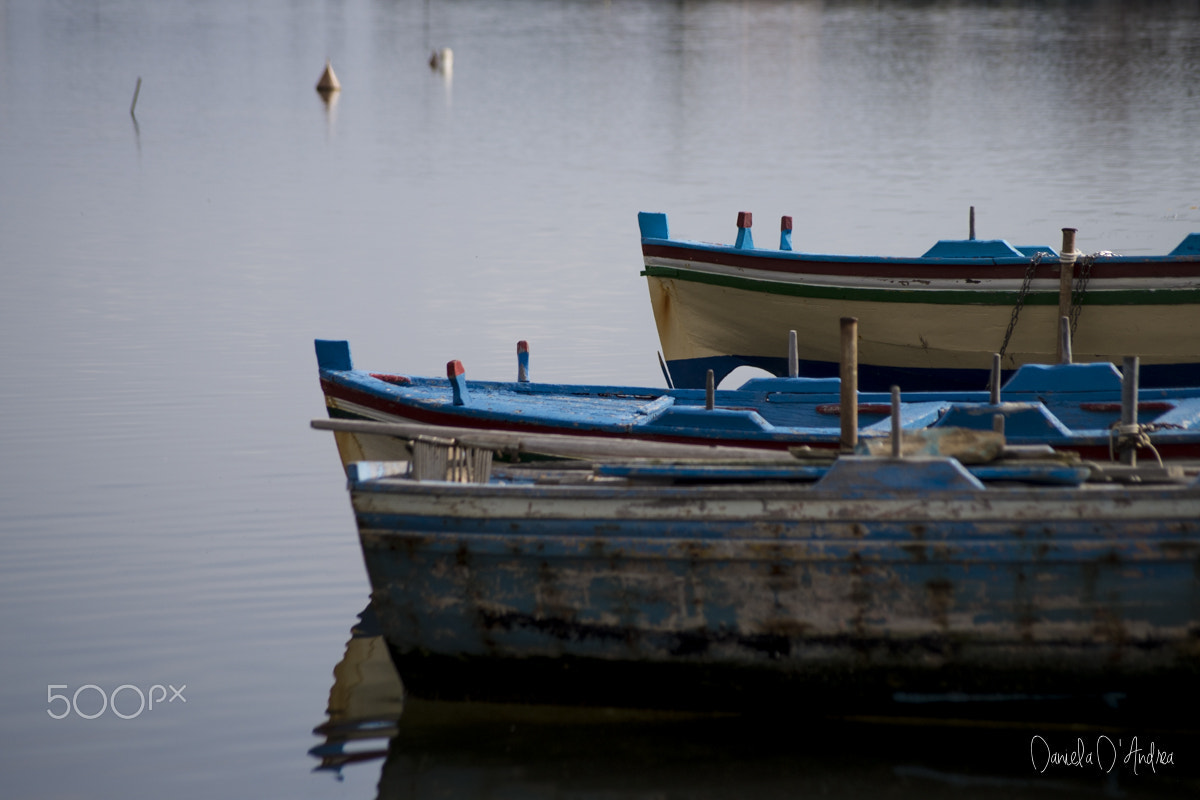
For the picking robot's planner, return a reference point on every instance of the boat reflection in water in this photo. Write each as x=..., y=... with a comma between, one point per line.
x=920, y=746
x=365, y=702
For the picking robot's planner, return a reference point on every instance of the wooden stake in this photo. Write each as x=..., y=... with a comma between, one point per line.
x=1129, y=405
x=849, y=376
x=1066, y=274
x=793, y=356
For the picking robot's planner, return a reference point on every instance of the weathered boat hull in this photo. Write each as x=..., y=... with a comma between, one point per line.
x=925, y=323
x=908, y=577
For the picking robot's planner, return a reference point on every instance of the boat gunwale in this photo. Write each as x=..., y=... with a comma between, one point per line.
x=803, y=491
x=797, y=261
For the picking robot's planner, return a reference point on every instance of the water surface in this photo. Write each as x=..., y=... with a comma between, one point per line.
x=166, y=516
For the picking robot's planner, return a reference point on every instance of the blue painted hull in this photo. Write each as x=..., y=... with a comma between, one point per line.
x=930, y=322
x=1071, y=407
x=882, y=578
x=878, y=378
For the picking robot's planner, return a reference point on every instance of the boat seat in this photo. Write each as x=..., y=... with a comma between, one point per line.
x=1188, y=247
x=973, y=248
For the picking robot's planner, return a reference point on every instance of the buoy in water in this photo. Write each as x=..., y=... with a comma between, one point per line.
x=329, y=82
x=442, y=61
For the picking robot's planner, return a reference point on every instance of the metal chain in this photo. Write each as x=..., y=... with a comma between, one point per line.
x=1085, y=275
x=1016, y=312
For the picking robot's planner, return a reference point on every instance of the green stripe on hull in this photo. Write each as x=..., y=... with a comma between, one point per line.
x=976, y=297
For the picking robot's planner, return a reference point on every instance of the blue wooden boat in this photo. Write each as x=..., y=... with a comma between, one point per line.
x=1074, y=407
x=929, y=322
x=782, y=584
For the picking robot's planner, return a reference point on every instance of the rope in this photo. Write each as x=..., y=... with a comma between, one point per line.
x=1122, y=438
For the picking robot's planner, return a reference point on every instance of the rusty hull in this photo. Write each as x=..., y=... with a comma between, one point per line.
x=741, y=596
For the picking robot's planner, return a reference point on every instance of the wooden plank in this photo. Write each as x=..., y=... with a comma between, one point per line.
x=561, y=445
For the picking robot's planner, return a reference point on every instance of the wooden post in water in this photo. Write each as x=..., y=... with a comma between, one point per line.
x=849, y=376
x=1066, y=274
x=793, y=356
x=1129, y=405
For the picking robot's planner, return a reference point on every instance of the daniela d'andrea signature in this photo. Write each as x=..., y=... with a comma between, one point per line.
x=1104, y=756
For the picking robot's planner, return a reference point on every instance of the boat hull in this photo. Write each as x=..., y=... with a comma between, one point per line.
x=761, y=595
x=918, y=346
x=1069, y=407
x=924, y=323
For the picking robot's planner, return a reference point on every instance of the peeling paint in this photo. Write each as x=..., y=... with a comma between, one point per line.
x=1045, y=589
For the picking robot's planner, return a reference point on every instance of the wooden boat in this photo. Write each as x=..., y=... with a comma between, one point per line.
x=1074, y=407
x=783, y=584
x=931, y=322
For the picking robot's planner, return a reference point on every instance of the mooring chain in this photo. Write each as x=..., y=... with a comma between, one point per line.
x=1016, y=312
x=1077, y=293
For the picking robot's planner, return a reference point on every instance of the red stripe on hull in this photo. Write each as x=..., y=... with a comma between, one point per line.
x=918, y=269
x=399, y=410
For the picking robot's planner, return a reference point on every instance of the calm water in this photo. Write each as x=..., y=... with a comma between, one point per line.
x=168, y=519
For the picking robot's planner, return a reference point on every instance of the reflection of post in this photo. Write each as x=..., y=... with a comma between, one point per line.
x=849, y=376
x=897, y=444
x=1066, y=273
x=137, y=129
